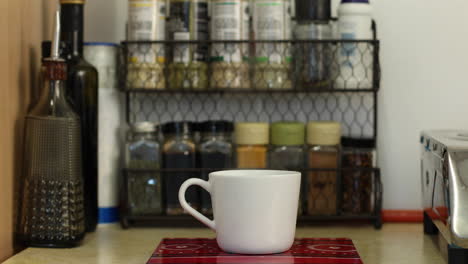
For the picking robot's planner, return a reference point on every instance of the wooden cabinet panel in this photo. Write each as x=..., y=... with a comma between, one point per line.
x=23, y=25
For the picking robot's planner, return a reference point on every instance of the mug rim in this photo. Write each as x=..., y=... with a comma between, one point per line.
x=241, y=173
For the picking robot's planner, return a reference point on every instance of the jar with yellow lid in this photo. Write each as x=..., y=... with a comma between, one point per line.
x=323, y=156
x=252, y=145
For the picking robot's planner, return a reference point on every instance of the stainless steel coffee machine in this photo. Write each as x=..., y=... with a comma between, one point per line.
x=444, y=178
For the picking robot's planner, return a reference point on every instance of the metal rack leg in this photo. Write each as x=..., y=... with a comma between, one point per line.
x=378, y=201
x=457, y=255
x=429, y=227
x=124, y=222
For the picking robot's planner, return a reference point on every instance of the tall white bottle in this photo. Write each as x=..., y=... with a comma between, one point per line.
x=103, y=56
x=354, y=61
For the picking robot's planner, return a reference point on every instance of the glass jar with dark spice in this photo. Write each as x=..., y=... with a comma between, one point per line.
x=143, y=151
x=179, y=156
x=287, y=149
x=216, y=152
x=359, y=156
x=324, y=158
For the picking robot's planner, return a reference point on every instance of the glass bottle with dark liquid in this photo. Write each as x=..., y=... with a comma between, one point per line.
x=82, y=91
x=179, y=155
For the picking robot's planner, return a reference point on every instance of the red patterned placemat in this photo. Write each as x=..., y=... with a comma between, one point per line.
x=304, y=251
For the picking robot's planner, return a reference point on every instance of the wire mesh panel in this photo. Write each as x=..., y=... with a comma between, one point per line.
x=356, y=111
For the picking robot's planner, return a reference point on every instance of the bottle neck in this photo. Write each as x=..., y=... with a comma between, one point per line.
x=52, y=101
x=72, y=27
x=56, y=94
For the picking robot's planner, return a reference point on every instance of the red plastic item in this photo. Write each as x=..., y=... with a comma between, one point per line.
x=304, y=251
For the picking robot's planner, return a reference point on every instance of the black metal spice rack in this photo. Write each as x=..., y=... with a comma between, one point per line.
x=354, y=105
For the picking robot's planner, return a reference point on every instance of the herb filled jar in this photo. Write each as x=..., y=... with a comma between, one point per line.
x=230, y=21
x=179, y=161
x=188, y=21
x=146, y=22
x=287, y=150
x=272, y=26
x=323, y=157
x=252, y=145
x=359, y=156
x=143, y=152
x=216, y=152
x=312, y=65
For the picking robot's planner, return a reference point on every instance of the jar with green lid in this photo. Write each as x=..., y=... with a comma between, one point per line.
x=287, y=148
x=323, y=157
x=143, y=151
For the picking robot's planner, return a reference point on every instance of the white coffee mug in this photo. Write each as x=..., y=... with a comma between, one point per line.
x=254, y=211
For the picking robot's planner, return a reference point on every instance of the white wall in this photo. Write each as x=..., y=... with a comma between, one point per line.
x=105, y=20
x=425, y=68
x=424, y=56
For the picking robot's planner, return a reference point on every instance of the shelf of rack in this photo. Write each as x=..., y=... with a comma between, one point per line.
x=373, y=214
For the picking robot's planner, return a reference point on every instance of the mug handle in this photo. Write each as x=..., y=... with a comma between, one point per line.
x=183, y=188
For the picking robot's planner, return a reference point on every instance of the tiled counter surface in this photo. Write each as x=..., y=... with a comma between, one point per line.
x=395, y=243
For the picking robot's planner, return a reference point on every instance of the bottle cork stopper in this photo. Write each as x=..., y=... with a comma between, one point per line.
x=325, y=133
x=56, y=70
x=252, y=133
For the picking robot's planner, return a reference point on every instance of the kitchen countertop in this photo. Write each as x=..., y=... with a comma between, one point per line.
x=395, y=243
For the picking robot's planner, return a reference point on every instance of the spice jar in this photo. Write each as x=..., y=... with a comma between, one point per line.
x=324, y=157
x=146, y=22
x=230, y=75
x=143, y=152
x=271, y=24
x=287, y=146
x=287, y=150
x=312, y=59
x=252, y=140
x=358, y=154
x=230, y=21
x=216, y=152
x=179, y=154
x=188, y=21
